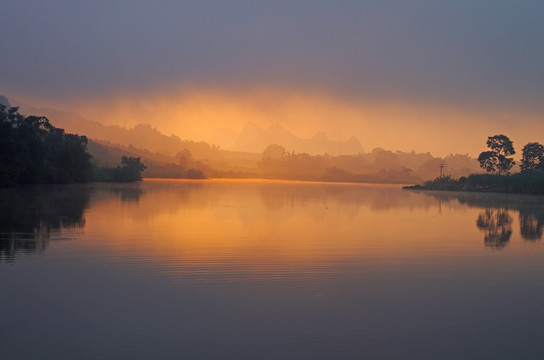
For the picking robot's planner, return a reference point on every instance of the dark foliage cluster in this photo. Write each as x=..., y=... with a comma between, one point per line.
x=33, y=151
x=130, y=170
x=445, y=183
x=499, y=158
x=530, y=182
x=441, y=183
x=532, y=157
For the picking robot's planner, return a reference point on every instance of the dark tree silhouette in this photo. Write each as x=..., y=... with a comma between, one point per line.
x=130, y=170
x=499, y=158
x=532, y=156
x=34, y=151
x=488, y=161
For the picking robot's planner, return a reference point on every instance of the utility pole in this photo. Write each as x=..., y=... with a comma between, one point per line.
x=442, y=165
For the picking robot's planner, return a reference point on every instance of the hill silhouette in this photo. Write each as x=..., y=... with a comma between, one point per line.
x=318, y=158
x=142, y=136
x=254, y=138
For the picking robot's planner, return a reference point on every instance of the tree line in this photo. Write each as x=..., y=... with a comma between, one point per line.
x=499, y=158
x=498, y=162
x=33, y=151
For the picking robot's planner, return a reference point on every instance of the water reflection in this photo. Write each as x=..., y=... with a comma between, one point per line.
x=531, y=223
x=497, y=225
x=270, y=270
x=278, y=196
x=128, y=193
x=496, y=219
x=30, y=216
x=207, y=218
x=274, y=200
x=255, y=222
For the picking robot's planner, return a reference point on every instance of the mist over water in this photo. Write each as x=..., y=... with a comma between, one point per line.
x=268, y=269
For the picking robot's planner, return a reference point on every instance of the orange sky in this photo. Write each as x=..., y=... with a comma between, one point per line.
x=199, y=114
x=436, y=76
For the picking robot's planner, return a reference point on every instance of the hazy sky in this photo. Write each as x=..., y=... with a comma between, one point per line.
x=424, y=75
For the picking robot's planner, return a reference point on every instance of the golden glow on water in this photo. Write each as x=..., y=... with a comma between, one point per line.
x=277, y=224
x=214, y=265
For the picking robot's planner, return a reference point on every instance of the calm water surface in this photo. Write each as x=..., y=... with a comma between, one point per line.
x=269, y=270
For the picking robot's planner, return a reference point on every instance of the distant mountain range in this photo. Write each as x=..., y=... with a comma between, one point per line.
x=254, y=138
x=170, y=156
x=142, y=136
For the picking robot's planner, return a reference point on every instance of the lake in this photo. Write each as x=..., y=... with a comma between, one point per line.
x=219, y=269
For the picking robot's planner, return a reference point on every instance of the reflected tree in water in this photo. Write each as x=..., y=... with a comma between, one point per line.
x=497, y=225
x=495, y=219
x=530, y=226
x=13, y=245
x=29, y=216
x=128, y=194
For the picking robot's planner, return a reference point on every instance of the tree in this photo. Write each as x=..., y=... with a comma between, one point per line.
x=488, y=161
x=130, y=170
x=532, y=156
x=499, y=158
x=33, y=151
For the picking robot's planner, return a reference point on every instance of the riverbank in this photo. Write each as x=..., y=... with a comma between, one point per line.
x=530, y=182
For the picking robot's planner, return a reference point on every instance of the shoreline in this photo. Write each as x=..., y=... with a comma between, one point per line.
x=530, y=182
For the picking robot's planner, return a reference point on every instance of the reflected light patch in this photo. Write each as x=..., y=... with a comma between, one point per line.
x=276, y=224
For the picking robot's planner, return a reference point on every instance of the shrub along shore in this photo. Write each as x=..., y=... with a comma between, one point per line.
x=528, y=182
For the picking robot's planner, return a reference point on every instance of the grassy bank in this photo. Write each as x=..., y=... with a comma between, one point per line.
x=530, y=182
